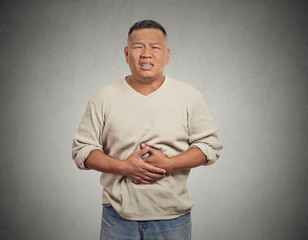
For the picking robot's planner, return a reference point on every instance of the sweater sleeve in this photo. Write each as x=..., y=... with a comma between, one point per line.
x=88, y=135
x=202, y=130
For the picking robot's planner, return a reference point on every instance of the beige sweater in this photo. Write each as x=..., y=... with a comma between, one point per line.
x=171, y=119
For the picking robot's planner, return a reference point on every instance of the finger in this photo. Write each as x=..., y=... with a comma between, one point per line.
x=149, y=175
x=142, y=151
x=151, y=149
x=153, y=169
x=151, y=179
x=147, y=182
x=154, y=176
x=136, y=181
x=145, y=179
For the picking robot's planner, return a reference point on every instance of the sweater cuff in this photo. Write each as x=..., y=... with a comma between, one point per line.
x=82, y=156
x=210, y=154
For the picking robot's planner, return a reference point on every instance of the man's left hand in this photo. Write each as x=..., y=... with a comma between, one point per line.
x=158, y=159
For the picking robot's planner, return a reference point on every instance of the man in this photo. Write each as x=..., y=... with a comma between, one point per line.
x=144, y=133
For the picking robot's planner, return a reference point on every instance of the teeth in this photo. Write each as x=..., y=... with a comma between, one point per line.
x=146, y=64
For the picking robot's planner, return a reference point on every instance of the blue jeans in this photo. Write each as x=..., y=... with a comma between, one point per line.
x=114, y=227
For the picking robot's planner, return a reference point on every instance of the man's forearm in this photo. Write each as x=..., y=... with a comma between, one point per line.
x=192, y=158
x=99, y=161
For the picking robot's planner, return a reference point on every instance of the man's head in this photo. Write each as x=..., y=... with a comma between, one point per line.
x=147, y=53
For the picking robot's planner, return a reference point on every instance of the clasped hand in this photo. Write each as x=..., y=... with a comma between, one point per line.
x=150, y=169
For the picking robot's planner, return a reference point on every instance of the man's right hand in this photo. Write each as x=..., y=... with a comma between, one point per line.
x=141, y=172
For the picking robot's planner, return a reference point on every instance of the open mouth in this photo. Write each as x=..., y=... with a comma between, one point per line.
x=147, y=64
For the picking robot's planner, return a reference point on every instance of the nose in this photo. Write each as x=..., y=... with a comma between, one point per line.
x=146, y=53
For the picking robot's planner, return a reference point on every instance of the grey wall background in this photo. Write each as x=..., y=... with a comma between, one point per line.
x=248, y=58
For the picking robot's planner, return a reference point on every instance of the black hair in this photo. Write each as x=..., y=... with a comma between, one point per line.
x=147, y=24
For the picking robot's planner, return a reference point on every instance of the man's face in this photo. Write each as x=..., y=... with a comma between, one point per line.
x=147, y=54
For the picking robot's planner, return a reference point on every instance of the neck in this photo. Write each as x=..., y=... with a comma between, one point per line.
x=145, y=87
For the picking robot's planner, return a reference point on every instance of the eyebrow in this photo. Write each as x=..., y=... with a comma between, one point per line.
x=154, y=43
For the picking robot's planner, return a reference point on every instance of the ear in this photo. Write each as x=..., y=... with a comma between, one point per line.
x=168, y=56
x=126, y=53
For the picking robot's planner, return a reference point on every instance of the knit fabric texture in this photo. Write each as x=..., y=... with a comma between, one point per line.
x=172, y=119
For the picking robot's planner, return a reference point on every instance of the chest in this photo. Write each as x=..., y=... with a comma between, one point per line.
x=157, y=117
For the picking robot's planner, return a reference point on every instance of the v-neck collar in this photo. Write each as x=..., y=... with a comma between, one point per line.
x=132, y=90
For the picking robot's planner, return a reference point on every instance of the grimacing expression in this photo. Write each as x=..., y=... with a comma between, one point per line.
x=147, y=54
